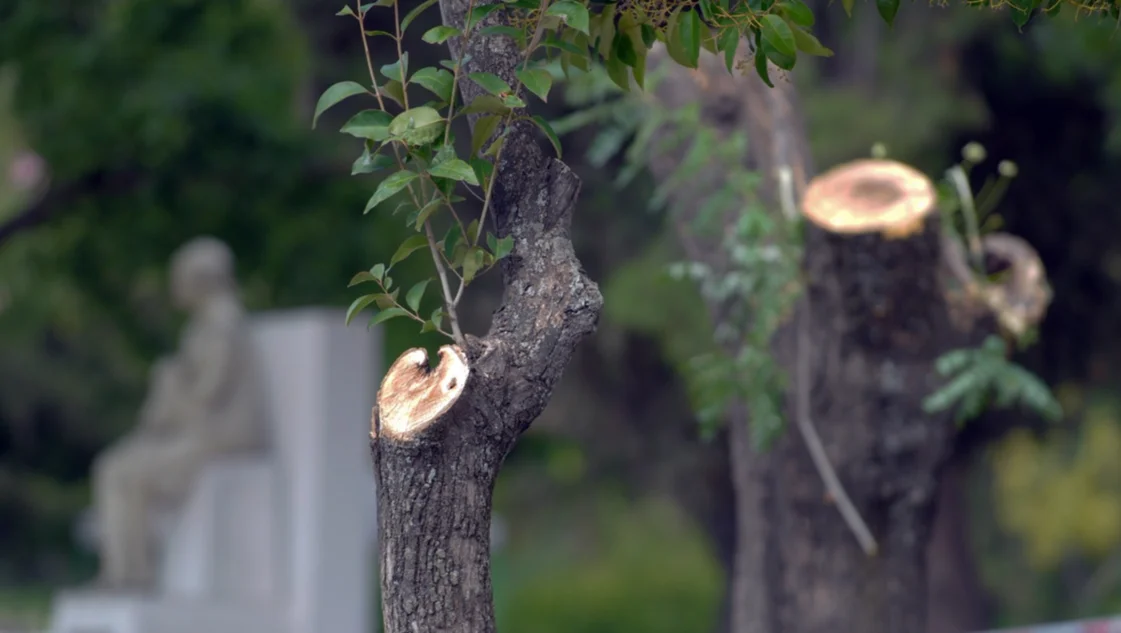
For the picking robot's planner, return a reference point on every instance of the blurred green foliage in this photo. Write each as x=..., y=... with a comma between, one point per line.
x=162, y=119
x=159, y=120
x=641, y=568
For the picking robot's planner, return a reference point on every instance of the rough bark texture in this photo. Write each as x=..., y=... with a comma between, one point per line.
x=859, y=353
x=435, y=486
x=876, y=324
x=955, y=596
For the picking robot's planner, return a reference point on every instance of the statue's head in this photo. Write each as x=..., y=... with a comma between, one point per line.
x=200, y=269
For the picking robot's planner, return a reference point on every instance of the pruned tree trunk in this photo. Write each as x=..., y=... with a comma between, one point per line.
x=440, y=433
x=956, y=599
x=879, y=306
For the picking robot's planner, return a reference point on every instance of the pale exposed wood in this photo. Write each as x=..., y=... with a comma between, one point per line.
x=414, y=394
x=870, y=195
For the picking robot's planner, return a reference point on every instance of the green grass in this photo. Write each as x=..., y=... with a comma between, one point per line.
x=25, y=607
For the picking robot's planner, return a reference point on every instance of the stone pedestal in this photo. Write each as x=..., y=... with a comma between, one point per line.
x=282, y=542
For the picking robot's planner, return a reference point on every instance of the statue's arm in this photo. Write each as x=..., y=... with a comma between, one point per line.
x=214, y=359
x=158, y=410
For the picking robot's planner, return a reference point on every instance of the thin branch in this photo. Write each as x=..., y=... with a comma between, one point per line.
x=400, y=53
x=361, y=17
x=443, y=275
x=805, y=425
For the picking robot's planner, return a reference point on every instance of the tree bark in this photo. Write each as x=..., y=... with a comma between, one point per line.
x=956, y=598
x=435, y=482
x=858, y=353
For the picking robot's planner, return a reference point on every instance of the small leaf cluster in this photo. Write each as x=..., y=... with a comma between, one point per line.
x=621, y=33
x=412, y=147
x=759, y=278
x=983, y=378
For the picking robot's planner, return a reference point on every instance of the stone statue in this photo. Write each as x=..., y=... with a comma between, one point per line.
x=203, y=402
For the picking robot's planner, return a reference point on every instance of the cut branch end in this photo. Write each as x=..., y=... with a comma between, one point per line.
x=414, y=394
x=867, y=196
x=1018, y=296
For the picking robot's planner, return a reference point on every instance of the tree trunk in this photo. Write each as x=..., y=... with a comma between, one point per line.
x=956, y=598
x=440, y=433
x=858, y=354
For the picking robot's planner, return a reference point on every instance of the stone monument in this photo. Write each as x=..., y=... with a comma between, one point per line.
x=243, y=502
x=204, y=402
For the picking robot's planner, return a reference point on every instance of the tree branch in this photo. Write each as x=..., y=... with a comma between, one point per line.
x=435, y=479
x=60, y=199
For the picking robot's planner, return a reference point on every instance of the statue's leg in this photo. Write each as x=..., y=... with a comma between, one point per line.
x=119, y=497
x=127, y=481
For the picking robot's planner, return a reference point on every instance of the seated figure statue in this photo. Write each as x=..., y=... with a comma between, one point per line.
x=203, y=402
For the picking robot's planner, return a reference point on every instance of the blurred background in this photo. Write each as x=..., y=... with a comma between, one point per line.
x=129, y=126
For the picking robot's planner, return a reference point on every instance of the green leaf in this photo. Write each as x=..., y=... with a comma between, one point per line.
x=689, y=35
x=623, y=48
x=606, y=31
x=761, y=62
x=415, y=294
x=484, y=103
x=798, y=12
x=552, y=42
x=500, y=247
x=1021, y=11
x=537, y=81
x=617, y=71
x=439, y=34
x=333, y=95
x=361, y=278
x=515, y=34
x=780, y=59
x=483, y=169
x=378, y=271
x=484, y=129
x=777, y=34
x=496, y=146
x=847, y=4
x=574, y=14
x=807, y=43
x=412, y=15
x=548, y=130
x=386, y=301
x=394, y=91
x=346, y=11
x=451, y=239
x=408, y=247
x=398, y=70
x=480, y=12
x=472, y=263
x=385, y=315
x=418, y=126
x=887, y=9
x=428, y=210
x=729, y=42
x=390, y=186
x=357, y=306
x=436, y=80
x=433, y=322
x=491, y=83
x=473, y=231
x=368, y=163
x=371, y=124
x=455, y=169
